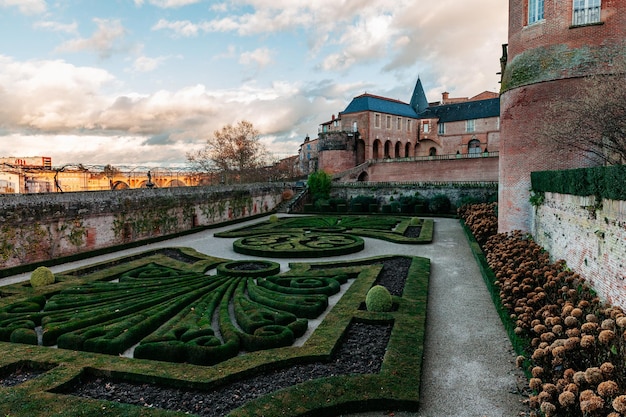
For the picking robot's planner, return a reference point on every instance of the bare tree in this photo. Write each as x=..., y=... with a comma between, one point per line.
x=233, y=153
x=594, y=121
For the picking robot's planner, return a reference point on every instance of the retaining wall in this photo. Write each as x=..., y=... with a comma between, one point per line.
x=589, y=236
x=41, y=227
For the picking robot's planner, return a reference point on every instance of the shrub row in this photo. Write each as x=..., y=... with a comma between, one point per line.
x=410, y=204
x=604, y=182
x=573, y=344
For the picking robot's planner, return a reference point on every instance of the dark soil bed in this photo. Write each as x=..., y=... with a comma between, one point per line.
x=360, y=352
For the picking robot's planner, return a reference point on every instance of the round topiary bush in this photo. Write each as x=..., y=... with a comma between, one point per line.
x=378, y=299
x=41, y=276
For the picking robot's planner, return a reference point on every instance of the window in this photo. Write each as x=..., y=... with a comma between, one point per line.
x=474, y=147
x=355, y=127
x=388, y=122
x=586, y=11
x=408, y=125
x=470, y=125
x=399, y=123
x=377, y=120
x=441, y=129
x=535, y=11
x=426, y=127
x=432, y=152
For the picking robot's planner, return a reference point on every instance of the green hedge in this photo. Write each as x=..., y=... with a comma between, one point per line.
x=604, y=182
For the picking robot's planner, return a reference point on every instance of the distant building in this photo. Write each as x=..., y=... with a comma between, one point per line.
x=374, y=129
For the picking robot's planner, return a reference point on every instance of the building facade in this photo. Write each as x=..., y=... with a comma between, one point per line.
x=374, y=130
x=553, y=45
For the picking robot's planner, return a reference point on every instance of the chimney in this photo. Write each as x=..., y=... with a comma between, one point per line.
x=444, y=97
x=333, y=117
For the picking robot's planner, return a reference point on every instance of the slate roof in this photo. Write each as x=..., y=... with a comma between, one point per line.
x=418, y=99
x=369, y=102
x=466, y=110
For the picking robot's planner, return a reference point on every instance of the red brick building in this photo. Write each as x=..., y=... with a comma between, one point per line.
x=553, y=45
x=380, y=130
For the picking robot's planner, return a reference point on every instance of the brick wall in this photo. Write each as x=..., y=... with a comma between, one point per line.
x=522, y=150
x=482, y=169
x=590, y=240
x=546, y=61
x=40, y=227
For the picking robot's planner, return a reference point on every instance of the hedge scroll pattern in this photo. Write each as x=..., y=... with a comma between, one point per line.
x=389, y=228
x=299, y=245
x=174, y=315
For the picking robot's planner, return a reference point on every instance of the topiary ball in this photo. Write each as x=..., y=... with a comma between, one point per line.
x=41, y=276
x=273, y=218
x=378, y=299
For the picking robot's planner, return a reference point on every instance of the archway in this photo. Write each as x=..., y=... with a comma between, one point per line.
x=432, y=151
x=360, y=151
x=387, y=149
x=363, y=177
x=407, y=150
x=376, y=149
x=120, y=185
x=398, y=147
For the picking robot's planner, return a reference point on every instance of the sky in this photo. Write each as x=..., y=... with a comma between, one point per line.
x=145, y=82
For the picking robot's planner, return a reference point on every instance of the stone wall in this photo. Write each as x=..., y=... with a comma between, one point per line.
x=384, y=191
x=590, y=237
x=41, y=227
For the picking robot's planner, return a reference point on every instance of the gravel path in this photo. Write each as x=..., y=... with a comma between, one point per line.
x=468, y=367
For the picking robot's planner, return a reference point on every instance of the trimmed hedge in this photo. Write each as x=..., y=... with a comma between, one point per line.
x=604, y=182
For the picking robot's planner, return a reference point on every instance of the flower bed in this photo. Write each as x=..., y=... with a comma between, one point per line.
x=571, y=344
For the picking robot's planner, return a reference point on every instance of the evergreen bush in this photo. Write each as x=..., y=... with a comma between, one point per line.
x=440, y=204
x=378, y=299
x=41, y=276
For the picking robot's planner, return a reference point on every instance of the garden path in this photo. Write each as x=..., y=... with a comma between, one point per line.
x=468, y=368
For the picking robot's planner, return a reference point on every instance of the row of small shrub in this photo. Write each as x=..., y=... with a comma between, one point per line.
x=605, y=182
x=575, y=344
x=411, y=204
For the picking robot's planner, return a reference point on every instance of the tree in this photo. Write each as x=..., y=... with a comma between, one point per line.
x=319, y=184
x=234, y=153
x=594, y=121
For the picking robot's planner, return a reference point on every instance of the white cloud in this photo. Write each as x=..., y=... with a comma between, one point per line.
x=147, y=64
x=27, y=7
x=104, y=41
x=57, y=26
x=262, y=57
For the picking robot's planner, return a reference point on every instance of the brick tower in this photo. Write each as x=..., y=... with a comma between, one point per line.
x=553, y=44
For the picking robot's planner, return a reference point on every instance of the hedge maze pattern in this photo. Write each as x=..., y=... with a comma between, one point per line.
x=174, y=315
x=390, y=228
x=297, y=245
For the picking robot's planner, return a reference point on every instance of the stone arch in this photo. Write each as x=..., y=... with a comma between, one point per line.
x=363, y=177
x=432, y=151
x=120, y=185
x=360, y=151
x=387, y=153
x=376, y=149
x=407, y=150
x=176, y=183
x=398, y=150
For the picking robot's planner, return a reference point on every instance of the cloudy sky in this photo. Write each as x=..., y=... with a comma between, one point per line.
x=143, y=82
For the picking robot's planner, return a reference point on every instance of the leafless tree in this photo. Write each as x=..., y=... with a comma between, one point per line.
x=594, y=121
x=233, y=153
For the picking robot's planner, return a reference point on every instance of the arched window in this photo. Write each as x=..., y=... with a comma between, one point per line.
x=354, y=127
x=387, y=149
x=473, y=147
x=407, y=150
x=397, y=150
x=432, y=151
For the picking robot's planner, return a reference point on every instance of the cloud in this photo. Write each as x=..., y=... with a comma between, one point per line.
x=104, y=41
x=261, y=57
x=28, y=7
x=167, y=4
x=57, y=103
x=147, y=64
x=57, y=26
